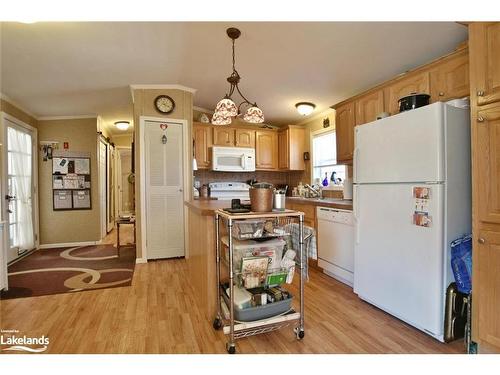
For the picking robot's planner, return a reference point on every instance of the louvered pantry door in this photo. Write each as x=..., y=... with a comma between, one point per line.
x=164, y=186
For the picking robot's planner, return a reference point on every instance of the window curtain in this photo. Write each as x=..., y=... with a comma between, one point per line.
x=20, y=170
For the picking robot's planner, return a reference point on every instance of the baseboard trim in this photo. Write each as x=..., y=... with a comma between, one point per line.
x=140, y=261
x=68, y=244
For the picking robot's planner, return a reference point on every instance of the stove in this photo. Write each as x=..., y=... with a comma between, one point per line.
x=229, y=190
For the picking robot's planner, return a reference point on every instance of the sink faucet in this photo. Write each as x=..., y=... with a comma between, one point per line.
x=314, y=191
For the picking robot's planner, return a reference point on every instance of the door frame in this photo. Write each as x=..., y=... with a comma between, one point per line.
x=34, y=177
x=142, y=180
x=103, y=217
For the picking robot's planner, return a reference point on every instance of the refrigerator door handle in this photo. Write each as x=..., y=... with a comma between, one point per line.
x=356, y=213
x=355, y=167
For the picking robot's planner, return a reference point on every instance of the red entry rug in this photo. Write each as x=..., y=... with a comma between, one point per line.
x=70, y=270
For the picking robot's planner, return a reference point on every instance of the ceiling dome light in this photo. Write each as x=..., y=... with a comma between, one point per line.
x=254, y=115
x=122, y=125
x=305, y=108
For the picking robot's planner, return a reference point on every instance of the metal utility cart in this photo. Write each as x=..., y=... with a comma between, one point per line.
x=225, y=318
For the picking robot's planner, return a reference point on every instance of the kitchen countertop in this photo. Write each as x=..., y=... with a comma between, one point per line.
x=207, y=207
x=343, y=204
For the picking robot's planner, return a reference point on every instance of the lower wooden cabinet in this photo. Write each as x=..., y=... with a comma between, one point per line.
x=266, y=150
x=486, y=291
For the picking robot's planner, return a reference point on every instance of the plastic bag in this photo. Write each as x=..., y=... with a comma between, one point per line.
x=461, y=263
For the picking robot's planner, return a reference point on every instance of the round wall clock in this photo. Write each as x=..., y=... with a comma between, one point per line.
x=164, y=104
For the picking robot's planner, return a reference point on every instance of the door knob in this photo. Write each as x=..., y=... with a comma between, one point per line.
x=481, y=240
x=441, y=93
x=480, y=93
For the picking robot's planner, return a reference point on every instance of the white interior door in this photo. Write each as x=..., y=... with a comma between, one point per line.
x=102, y=187
x=164, y=190
x=19, y=186
x=110, y=187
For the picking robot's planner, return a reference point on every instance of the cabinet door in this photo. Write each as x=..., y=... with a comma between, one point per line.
x=486, y=290
x=202, y=136
x=484, y=51
x=486, y=153
x=344, y=128
x=283, y=149
x=418, y=83
x=245, y=138
x=450, y=79
x=223, y=136
x=369, y=106
x=266, y=149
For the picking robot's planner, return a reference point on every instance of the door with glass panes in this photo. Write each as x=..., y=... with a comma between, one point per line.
x=19, y=188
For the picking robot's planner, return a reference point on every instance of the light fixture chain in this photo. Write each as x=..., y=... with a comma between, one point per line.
x=234, y=69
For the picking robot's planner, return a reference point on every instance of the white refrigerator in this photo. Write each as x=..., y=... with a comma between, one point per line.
x=412, y=198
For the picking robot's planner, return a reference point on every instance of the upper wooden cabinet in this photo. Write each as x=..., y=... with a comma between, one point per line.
x=484, y=41
x=291, y=148
x=266, y=150
x=418, y=83
x=202, y=142
x=344, y=128
x=369, y=106
x=223, y=136
x=486, y=147
x=450, y=79
x=244, y=138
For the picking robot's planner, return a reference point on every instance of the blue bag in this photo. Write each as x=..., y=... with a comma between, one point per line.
x=461, y=263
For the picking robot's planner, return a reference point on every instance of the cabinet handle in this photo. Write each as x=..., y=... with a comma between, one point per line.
x=480, y=93
x=441, y=93
x=481, y=240
x=480, y=119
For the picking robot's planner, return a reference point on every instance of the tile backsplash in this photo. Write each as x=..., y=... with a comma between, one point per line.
x=274, y=177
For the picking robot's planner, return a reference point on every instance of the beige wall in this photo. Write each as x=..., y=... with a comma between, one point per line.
x=122, y=140
x=144, y=106
x=17, y=113
x=68, y=226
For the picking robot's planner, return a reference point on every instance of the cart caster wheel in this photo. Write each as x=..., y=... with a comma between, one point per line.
x=300, y=335
x=217, y=323
x=231, y=349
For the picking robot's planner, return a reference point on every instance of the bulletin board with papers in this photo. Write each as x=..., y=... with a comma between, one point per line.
x=71, y=183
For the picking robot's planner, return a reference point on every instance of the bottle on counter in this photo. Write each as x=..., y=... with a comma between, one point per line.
x=325, y=180
x=333, y=178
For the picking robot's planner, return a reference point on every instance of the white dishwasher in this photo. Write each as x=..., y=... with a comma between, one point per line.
x=336, y=243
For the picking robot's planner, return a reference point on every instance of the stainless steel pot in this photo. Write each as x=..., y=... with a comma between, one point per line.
x=413, y=101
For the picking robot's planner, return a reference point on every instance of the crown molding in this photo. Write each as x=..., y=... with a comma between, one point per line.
x=75, y=117
x=326, y=112
x=17, y=105
x=160, y=87
x=201, y=109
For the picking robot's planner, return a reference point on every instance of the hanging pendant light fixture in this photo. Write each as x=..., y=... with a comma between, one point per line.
x=226, y=108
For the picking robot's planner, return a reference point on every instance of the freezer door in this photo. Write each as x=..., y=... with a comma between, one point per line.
x=407, y=147
x=398, y=266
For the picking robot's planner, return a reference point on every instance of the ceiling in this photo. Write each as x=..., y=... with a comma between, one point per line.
x=63, y=69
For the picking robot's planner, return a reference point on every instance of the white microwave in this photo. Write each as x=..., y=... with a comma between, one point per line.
x=233, y=159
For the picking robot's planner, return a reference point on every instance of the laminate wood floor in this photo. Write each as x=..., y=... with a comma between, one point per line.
x=158, y=314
